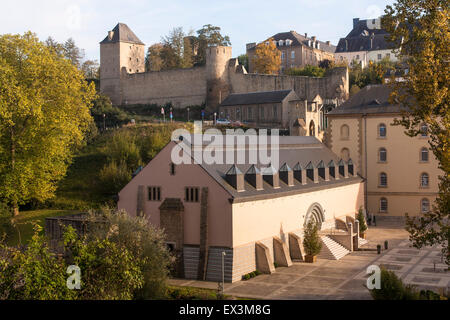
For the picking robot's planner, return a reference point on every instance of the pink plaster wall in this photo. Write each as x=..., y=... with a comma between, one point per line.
x=156, y=173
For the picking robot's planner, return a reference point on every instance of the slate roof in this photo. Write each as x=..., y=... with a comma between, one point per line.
x=256, y=97
x=295, y=152
x=122, y=33
x=361, y=38
x=298, y=39
x=372, y=99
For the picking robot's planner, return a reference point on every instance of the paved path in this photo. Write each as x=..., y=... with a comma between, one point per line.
x=344, y=278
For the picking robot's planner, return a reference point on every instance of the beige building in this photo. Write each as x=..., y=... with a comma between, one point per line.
x=124, y=79
x=296, y=50
x=281, y=110
x=254, y=213
x=401, y=171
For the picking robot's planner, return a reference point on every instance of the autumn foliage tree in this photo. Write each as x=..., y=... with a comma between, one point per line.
x=421, y=27
x=267, y=59
x=44, y=114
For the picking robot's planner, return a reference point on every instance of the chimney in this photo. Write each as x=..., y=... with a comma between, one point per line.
x=343, y=168
x=328, y=42
x=317, y=45
x=235, y=178
x=110, y=35
x=270, y=175
x=312, y=172
x=287, y=175
x=300, y=174
x=355, y=22
x=306, y=35
x=313, y=38
x=332, y=170
x=254, y=177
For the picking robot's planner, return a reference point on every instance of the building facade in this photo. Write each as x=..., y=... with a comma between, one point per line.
x=255, y=213
x=401, y=171
x=124, y=80
x=365, y=42
x=296, y=50
x=281, y=110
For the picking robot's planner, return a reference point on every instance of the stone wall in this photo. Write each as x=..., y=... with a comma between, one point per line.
x=182, y=87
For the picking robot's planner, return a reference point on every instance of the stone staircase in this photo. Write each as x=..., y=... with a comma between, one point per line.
x=331, y=249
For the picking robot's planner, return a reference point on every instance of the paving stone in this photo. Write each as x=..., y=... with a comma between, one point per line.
x=300, y=269
x=319, y=282
x=300, y=293
x=253, y=289
x=335, y=272
x=354, y=285
x=276, y=278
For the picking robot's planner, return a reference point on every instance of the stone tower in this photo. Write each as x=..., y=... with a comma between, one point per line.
x=217, y=84
x=120, y=52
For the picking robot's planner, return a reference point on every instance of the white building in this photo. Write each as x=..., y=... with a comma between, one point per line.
x=365, y=42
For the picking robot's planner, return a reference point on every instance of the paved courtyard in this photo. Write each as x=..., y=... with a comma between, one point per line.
x=344, y=278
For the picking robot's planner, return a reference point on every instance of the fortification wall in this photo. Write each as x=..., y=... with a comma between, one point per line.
x=334, y=85
x=182, y=87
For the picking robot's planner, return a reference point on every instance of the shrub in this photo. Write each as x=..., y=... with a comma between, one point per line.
x=143, y=241
x=6, y=226
x=311, y=241
x=392, y=288
x=113, y=177
x=34, y=273
x=122, y=148
x=362, y=221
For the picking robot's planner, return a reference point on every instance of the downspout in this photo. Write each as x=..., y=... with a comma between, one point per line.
x=365, y=161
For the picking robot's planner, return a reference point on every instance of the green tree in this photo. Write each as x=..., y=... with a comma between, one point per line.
x=308, y=70
x=73, y=53
x=422, y=29
x=91, y=69
x=243, y=60
x=105, y=114
x=208, y=36
x=311, y=239
x=392, y=288
x=267, y=59
x=362, y=221
x=44, y=114
x=153, y=59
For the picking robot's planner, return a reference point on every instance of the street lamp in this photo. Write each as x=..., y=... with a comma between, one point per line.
x=188, y=113
x=104, y=122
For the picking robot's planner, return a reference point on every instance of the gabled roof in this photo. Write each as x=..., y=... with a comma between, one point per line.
x=294, y=151
x=298, y=40
x=256, y=97
x=371, y=99
x=122, y=33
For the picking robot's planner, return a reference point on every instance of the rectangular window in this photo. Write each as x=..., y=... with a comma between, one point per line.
x=275, y=111
x=262, y=112
x=191, y=194
x=282, y=55
x=154, y=193
x=379, y=56
x=292, y=54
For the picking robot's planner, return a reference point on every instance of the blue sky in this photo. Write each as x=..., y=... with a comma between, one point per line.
x=87, y=21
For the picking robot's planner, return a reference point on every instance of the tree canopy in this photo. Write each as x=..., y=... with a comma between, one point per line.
x=44, y=114
x=422, y=29
x=267, y=59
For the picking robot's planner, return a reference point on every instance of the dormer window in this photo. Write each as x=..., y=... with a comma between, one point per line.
x=280, y=42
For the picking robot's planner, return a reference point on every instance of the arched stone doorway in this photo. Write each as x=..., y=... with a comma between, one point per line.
x=312, y=128
x=315, y=212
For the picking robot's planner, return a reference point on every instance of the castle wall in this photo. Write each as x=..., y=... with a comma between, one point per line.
x=182, y=87
x=330, y=87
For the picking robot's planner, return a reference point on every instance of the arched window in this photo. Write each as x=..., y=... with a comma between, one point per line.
x=345, y=132
x=383, y=205
x=383, y=180
x=382, y=130
x=424, y=180
x=424, y=155
x=345, y=154
x=424, y=130
x=382, y=155
x=424, y=205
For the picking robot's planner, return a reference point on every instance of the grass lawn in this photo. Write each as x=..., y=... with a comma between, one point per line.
x=24, y=224
x=192, y=293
